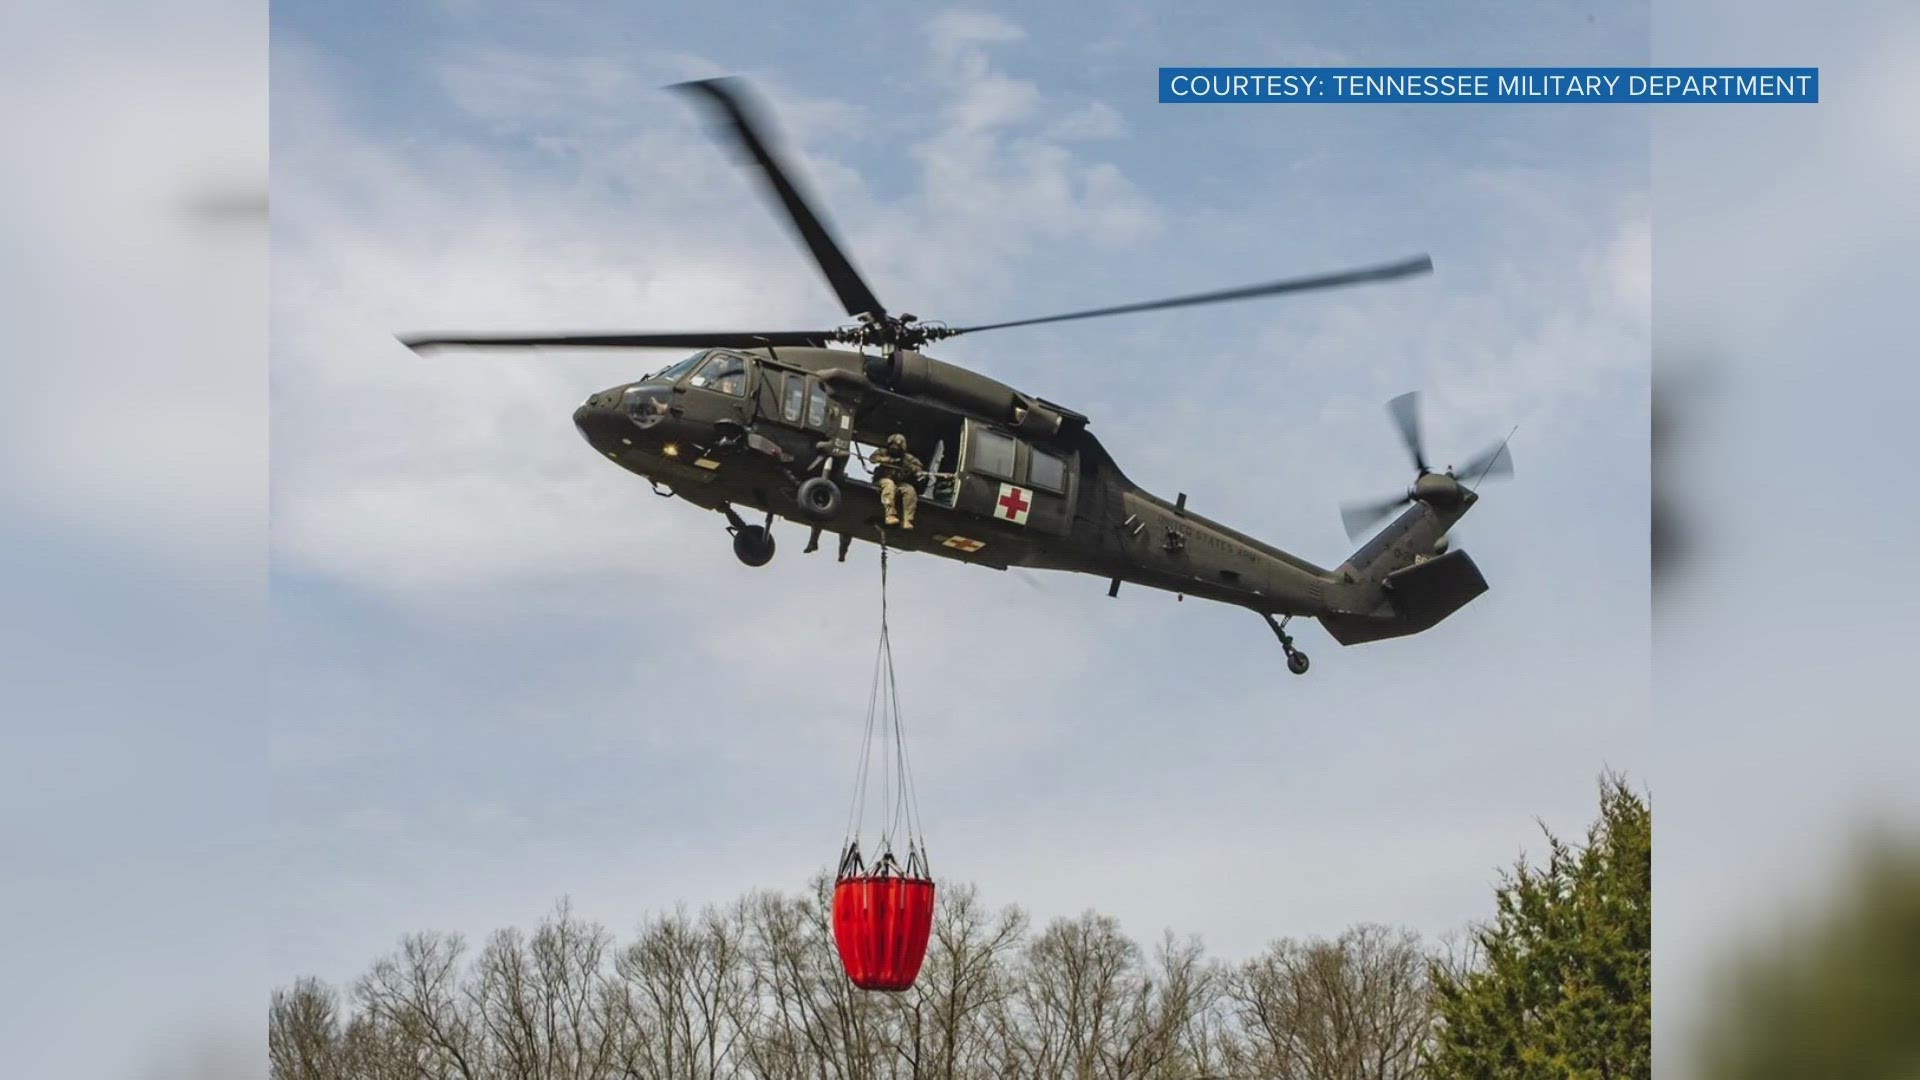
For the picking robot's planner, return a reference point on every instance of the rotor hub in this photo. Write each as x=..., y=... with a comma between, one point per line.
x=892, y=332
x=1450, y=488
x=1436, y=488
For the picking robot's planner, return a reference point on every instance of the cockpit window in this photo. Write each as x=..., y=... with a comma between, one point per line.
x=725, y=373
x=647, y=403
x=673, y=373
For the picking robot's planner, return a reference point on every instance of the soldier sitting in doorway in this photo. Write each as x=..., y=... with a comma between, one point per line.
x=899, y=474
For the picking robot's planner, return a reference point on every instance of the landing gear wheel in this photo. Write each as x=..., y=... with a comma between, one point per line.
x=753, y=545
x=819, y=499
x=1297, y=661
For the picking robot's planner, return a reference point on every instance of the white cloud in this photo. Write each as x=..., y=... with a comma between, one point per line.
x=1094, y=120
x=958, y=30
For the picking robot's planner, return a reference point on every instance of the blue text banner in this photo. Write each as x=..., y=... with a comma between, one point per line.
x=1558, y=85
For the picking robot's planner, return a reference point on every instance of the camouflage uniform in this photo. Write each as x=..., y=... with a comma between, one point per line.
x=897, y=471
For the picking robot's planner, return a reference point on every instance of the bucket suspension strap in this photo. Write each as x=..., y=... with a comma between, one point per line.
x=899, y=804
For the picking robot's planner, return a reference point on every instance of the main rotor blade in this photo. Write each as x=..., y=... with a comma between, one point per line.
x=1384, y=272
x=709, y=340
x=1493, y=463
x=1361, y=517
x=1405, y=411
x=731, y=99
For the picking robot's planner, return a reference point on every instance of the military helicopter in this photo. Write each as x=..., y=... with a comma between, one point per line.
x=771, y=421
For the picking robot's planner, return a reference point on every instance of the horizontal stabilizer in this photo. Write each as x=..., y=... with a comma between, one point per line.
x=1420, y=595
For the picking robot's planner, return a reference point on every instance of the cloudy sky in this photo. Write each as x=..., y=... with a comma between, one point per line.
x=505, y=673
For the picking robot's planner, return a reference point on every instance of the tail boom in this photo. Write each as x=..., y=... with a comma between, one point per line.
x=1404, y=580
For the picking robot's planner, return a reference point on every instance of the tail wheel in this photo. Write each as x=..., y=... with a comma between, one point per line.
x=1297, y=662
x=819, y=499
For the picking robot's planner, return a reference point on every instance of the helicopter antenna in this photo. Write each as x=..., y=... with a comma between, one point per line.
x=1488, y=467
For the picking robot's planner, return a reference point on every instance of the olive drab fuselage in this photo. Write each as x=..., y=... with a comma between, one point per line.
x=1015, y=482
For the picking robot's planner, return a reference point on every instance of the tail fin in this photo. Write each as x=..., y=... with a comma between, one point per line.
x=1402, y=585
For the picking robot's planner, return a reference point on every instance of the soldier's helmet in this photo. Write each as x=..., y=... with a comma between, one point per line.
x=896, y=441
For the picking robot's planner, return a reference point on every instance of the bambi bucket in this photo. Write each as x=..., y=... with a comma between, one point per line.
x=881, y=925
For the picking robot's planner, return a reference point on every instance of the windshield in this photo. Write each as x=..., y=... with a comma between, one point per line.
x=724, y=373
x=673, y=373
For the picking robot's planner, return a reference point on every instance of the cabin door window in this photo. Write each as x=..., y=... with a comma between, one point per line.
x=795, y=401
x=991, y=453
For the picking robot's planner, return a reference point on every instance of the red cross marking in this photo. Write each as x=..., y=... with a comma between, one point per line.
x=1016, y=502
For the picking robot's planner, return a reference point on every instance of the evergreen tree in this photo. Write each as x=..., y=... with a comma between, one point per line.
x=1561, y=987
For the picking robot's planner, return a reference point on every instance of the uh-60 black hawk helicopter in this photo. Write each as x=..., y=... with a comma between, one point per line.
x=770, y=421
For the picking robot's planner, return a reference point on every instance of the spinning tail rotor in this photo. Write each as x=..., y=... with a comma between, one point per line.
x=1439, y=488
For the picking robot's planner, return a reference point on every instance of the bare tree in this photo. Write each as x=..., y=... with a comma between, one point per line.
x=787, y=1027
x=946, y=1022
x=1087, y=1007
x=370, y=1050
x=1355, y=1008
x=755, y=991
x=683, y=997
x=414, y=998
x=808, y=1020
x=544, y=1002
x=303, y=1032
x=1194, y=1031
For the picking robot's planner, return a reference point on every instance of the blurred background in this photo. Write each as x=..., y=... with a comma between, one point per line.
x=1785, y=740
x=132, y=521
x=133, y=515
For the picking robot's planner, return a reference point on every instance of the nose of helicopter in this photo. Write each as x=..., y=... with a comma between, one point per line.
x=596, y=416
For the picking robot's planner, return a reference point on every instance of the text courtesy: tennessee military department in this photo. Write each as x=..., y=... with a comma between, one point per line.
x=1491, y=85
